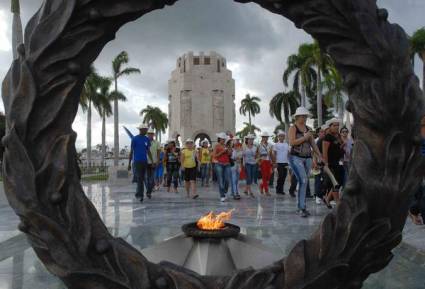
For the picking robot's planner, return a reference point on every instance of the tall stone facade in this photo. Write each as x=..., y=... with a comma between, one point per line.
x=201, y=97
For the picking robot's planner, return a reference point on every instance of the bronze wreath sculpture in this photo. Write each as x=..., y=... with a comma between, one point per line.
x=41, y=94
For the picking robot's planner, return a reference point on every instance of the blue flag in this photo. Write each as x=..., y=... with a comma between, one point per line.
x=128, y=132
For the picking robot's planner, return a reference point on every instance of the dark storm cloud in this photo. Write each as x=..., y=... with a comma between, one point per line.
x=255, y=42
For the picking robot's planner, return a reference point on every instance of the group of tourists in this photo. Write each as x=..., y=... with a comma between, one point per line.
x=325, y=153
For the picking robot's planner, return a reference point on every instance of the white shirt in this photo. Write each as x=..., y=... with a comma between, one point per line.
x=264, y=151
x=281, y=150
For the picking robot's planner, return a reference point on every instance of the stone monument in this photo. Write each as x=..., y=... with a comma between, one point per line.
x=41, y=94
x=201, y=97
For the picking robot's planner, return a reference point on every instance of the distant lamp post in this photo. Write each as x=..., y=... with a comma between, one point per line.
x=17, y=36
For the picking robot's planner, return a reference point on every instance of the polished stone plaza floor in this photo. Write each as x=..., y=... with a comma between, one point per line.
x=273, y=220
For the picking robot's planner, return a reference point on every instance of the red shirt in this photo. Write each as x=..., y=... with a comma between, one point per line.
x=224, y=159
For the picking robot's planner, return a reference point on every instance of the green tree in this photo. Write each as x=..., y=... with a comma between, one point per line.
x=284, y=104
x=304, y=76
x=156, y=119
x=334, y=91
x=247, y=129
x=103, y=106
x=322, y=62
x=417, y=42
x=90, y=97
x=250, y=105
x=118, y=71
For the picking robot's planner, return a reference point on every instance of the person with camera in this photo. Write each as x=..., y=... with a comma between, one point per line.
x=300, y=157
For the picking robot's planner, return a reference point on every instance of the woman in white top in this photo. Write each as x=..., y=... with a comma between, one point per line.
x=266, y=167
x=250, y=163
x=280, y=158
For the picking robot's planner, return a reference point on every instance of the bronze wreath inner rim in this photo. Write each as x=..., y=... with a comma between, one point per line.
x=229, y=231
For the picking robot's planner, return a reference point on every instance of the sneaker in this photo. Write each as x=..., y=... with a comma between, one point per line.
x=304, y=213
x=318, y=201
x=237, y=197
x=222, y=199
x=149, y=196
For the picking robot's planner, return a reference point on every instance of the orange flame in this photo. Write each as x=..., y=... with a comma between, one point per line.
x=212, y=221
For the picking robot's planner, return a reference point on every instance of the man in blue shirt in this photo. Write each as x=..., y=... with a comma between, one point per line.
x=139, y=153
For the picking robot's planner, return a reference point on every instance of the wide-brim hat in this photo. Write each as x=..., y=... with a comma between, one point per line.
x=301, y=111
x=280, y=132
x=222, y=135
x=143, y=126
x=265, y=134
x=332, y=120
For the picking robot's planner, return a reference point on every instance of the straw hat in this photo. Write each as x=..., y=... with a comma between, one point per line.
x=331, y=121
x=301, y=111
x=142, y=126
x=221, y=135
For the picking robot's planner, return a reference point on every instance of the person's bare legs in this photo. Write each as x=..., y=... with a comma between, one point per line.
x=193, y=189
x=187, y=187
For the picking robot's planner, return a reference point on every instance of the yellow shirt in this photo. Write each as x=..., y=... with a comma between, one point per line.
x=188, y=158
x=205, y=156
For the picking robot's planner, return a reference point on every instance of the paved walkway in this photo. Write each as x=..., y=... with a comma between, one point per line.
x=273, y=220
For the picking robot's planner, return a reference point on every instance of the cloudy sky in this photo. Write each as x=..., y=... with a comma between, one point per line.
x=255, y=42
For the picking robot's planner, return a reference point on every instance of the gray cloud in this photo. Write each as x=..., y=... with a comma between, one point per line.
x=255, y=42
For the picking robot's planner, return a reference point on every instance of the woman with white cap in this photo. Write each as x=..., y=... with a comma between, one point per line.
x=222, y=166
x=300, y=157
x=236, y=163
x=280, y=159
x=333, y=156
x=189, y=163
x=266, y=166
x=250, y=163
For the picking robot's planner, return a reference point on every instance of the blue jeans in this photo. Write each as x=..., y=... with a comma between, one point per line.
x=251, y=171
x=301, y=168
x=205, y=174
x=235, y=179
x=224, y=175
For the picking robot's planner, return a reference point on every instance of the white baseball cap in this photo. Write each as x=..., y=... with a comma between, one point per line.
x=189, y=140
x=301, y=111
x=151, y=130
x=281, y=132
x=250, y=136
x=265, y=134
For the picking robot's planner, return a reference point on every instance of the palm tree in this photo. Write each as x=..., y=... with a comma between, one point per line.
x=323, y=62
x=155, y=118
x=334, y=91
x=304, y=75
x=247, y=129
x=104, y=108
x=417, y=42
x=250, y=104
x=284, y=103
x=118, y=71
x=89, y=96
x=17, y=36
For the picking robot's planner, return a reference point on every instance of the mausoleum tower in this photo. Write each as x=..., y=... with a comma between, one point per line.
x=201, y=97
